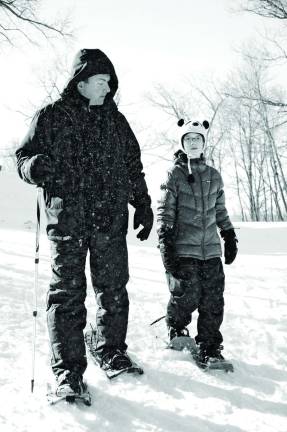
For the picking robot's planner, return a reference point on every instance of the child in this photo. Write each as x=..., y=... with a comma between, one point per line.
x=191, y=208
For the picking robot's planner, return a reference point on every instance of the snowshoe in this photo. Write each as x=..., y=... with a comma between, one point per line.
x=71, y=388
x=113, y=363
x=183, y=342
x=210, y=358
x=173, y=333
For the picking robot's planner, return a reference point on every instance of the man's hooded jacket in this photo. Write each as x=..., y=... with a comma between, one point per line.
x=96, y=157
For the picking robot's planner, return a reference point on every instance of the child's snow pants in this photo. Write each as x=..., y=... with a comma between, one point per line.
x=201, y=288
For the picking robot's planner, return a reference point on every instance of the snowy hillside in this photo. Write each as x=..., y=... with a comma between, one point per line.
x=173, y=395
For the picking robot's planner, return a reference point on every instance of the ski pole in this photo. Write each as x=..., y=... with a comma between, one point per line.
x=157, y=320
x=39, y=191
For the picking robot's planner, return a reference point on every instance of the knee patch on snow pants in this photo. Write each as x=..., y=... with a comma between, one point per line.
x=185, y=294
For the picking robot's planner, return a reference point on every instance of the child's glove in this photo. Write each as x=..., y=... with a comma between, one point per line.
x=143, y=216
x=170, y=262
x=169, y=258
x=181, y=274
x=230, y=245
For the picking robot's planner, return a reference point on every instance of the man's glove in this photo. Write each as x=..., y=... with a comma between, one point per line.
x=39, y=169
x=230, y=245
x=143, y=216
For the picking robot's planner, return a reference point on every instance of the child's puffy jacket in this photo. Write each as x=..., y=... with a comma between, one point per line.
x=193, y=211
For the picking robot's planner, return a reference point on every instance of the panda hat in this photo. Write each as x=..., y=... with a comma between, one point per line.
x=192, y=127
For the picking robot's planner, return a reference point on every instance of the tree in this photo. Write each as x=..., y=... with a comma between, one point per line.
x=273, y=49
x=195, y=100
x=245, y=135
x=267, y=8
x=8, y=158
x=20, y=18
x=260, y=175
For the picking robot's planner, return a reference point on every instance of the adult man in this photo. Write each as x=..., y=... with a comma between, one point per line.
x=83, y=153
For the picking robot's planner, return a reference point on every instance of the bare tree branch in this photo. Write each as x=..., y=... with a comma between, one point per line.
x=256, y=98
x=21, y=17
x=267, y=8
x=170, y=103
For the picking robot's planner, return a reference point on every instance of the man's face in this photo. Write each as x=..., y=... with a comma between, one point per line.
x=193, y=144
x=95, y=88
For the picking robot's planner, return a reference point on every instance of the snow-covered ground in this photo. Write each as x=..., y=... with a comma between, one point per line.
x=173, y=395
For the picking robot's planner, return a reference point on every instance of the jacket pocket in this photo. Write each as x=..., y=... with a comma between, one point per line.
x=57, y=220
x=56, y=203
x=60, y=238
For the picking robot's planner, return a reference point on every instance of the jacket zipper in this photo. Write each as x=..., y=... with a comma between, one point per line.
x=203, y=217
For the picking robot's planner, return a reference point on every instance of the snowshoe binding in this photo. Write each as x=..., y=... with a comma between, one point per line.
x=71, y=388
x=209, y=357
x=114, y=362
x=181, y=341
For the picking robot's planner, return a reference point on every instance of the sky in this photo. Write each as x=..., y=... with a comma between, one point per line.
x=148, y=42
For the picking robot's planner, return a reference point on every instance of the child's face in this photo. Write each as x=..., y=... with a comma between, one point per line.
x=193, y=145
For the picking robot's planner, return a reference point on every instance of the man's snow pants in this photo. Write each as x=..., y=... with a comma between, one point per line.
x=66, y=312
x=202, y=288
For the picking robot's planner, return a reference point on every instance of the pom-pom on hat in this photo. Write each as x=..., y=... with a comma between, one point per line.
x=193, y=126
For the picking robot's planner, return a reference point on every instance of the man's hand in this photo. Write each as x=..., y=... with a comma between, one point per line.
x=40, y=169
x=143, y=216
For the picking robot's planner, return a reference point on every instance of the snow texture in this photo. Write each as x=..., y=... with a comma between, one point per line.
x=173, y=395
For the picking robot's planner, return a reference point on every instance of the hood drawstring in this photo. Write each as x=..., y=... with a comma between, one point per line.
x=190, y=175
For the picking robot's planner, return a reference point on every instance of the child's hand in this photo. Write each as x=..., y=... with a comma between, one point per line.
x=180, y=275
x=230, y=245
x=171, y=266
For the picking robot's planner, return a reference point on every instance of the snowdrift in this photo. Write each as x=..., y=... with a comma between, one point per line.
x=173, y=395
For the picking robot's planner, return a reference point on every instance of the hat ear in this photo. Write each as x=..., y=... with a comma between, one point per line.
x=180, y=122
x=205, y=124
